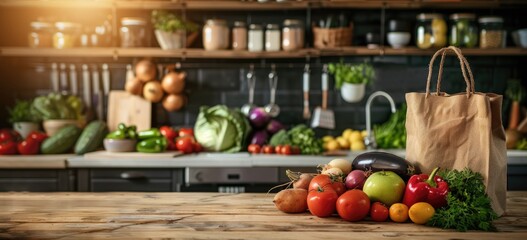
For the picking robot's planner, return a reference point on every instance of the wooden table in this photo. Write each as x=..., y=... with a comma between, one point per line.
x=207, y=216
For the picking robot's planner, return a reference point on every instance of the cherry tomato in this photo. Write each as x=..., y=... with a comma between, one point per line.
x=379, y=212
x=185, y=144
x=29, y=146
x=38, y=136
x=286, y=150
x=186, y=132
x=278, y=149
x=296, y=150
x=197, y=147
x=339, y=187
x=322, y=201
x=353, y=205
x=254, y=148
x=168, y=132
x=268, y=149
x=320, y=181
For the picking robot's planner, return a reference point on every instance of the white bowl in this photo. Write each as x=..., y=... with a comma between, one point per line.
x=398, y=39
x=520, y=37
x=352, y=92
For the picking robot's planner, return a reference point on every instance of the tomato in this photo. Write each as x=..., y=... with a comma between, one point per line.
x=197, y=147
x=171, y=144
x=295, y=150
x=320, y=181
x=29, y=146
x=9, y=135
x=254, y=148
x=286, y=150
x=39, y=136
x=278, y=149
x=379, y=212
x=186, y=132
x=339, y=187
x=268, y=149
x=321, y=202
x=185, y=144
x=353, y=205
x=168, y=132
x=8, y=148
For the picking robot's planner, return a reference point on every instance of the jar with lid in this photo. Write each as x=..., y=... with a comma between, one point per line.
x=215, y=34
x=292, y=35
x=491, y=34
x=40, y=34
x=255, y=38
x=239, y=36
x=272, y=37
x=133, y=32
x=431, y=31
x=66, y=34
x=463, y=30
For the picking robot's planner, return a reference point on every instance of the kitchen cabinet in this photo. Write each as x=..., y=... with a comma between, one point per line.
x=37, y=180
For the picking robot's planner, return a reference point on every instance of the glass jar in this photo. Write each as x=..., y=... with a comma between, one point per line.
x=491, y=34
x=215, y=34
x=133, y=32
x=431, y=31
x=255, y=38
x=292, y=35
x=239, y=36
x=66, y=34
x=40, y=34
x=272, y=37
x=463, y=30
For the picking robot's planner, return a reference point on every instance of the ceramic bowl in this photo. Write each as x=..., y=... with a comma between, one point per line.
x=54, y=125
x=520, y=37
x=119, y=145
x=398, y=39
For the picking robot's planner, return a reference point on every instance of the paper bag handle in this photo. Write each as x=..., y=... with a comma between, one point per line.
x=465, y=67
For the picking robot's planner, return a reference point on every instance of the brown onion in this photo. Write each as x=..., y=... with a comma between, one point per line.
x=134, y=86
x=145, y=70
x=174, y=102
x=153, y=91
x=174, y=83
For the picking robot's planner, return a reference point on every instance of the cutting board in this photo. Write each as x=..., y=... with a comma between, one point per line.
x=129, y=109
x=130, y=155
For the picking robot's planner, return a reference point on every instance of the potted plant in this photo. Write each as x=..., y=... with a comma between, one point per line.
x=22, y=118
x=170, y=30
x=351, y=79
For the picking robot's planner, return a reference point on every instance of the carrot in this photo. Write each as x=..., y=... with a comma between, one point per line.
x=514, y=117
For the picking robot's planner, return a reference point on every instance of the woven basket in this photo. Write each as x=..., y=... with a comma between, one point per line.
x=332, y=37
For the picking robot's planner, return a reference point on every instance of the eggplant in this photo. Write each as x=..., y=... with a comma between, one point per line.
x=383, y=161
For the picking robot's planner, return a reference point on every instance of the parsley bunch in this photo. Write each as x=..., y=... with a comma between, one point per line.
x=468, y=205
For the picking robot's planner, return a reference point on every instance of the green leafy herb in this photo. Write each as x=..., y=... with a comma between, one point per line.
x=170, y=22
x=348, y=73
x=21, y=112
x=304, y=137
x=392, y=133
x=468, y=205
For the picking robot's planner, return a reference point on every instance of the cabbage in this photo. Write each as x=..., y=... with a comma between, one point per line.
x=220, y=129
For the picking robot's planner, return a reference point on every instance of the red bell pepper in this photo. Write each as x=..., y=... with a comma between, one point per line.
x=423, y=188
x=29, y=146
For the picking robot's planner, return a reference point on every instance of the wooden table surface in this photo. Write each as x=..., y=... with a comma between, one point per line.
x=208, y=216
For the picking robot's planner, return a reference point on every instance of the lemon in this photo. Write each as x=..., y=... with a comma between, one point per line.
x=346, y=133
x=364, y=133
x=332, y=145
x=343, y=142
x=357, y=146
x=421, y=212
x=327, y=138
x=424, y=41
x=355, y=136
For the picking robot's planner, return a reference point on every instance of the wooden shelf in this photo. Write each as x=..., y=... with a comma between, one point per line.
x=195, y=53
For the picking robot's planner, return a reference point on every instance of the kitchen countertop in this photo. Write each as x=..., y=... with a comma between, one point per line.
x=208, y=216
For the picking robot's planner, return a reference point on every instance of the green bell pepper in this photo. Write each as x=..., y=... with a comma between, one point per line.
x=152, y=145
x=150, y=133
x=117, y=134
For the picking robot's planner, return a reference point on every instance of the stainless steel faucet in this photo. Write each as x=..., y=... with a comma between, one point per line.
x=369, y=141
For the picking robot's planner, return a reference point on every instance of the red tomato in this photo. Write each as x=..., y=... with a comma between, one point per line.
x=168, y=132
x=39, y=136
x=320, y=181
x=379, y=212
x=185, y=144
x=8, y=148
x=339, y=187
x=296, y=150
x=254, y=148
x=197, y=147
x=171, y=144
x=353, y=205
x=29, y=146
x=278, y=149
x=186, y=132
x=268, y=149
x=9, y=135
x=321, y=202
x=286, y=150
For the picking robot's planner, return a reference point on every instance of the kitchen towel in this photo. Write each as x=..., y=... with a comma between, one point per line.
x=459, y=130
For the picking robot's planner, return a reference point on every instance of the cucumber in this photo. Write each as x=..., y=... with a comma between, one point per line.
x=62, y=141
x=91, y=138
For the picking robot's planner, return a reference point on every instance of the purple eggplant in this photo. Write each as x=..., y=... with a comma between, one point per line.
x=379, y=161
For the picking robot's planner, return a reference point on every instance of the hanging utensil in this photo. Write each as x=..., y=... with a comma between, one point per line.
x=97, y=96
x=106, y=87
x=251, y=82
x=272, y=109
x=322, y=117
x=86, y=86
x=55, y=78
x=307, y=113
x=63, y=79
x=74, y=87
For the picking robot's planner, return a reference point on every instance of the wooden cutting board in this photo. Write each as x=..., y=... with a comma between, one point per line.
x=130, y=155
x=128, y=109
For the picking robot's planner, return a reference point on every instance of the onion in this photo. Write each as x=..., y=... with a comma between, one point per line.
x=134, y=86
x=174, y=83
x=274, y=126
x=153, y=91
x=303, y=181
x=145, y=70
x=343, y=164
x=259, y=137
x=259, y=117
x=355, y=179
x=333, y=172
x=173, y=102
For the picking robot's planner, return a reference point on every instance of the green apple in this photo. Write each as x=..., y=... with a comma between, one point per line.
x=386, y=187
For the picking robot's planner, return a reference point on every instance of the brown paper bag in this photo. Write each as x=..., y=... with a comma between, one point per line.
x=459, y=130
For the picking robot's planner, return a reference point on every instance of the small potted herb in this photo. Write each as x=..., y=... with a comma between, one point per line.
x=22, y=118
x=170, y=30
x=351, y=79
